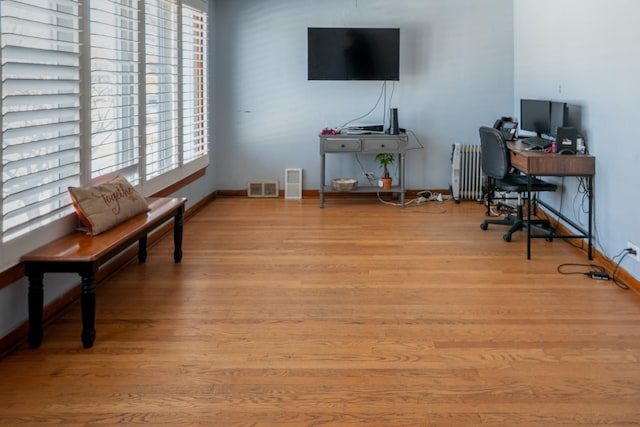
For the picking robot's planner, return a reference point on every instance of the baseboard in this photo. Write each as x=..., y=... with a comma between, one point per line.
x=315, y=194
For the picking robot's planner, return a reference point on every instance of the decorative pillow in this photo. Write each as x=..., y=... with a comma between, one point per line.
x=104, y=206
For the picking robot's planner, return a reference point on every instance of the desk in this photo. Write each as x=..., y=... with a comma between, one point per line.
x=539, y=163
x=366, y=144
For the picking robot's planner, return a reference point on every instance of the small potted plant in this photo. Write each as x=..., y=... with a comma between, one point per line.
x=385, y=159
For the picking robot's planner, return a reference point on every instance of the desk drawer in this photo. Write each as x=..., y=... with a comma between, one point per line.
x=382, y=145
x=341, y=144
x=550, y=164
x=518, y=161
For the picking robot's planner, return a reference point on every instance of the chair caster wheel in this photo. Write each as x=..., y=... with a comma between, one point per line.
x=506, y=237
x=484, y=226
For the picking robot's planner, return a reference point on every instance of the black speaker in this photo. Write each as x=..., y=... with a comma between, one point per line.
x=567, y=140
x=393, y=122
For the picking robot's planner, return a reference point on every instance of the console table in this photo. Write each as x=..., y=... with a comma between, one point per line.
x=366, y=144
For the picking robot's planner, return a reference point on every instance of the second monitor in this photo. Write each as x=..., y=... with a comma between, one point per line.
x=542, y=116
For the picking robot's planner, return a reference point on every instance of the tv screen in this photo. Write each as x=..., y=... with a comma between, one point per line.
x=535, y=116
x=353, y=53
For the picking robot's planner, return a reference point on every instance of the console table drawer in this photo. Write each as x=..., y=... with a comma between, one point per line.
x=382, y=145
x=341, y=144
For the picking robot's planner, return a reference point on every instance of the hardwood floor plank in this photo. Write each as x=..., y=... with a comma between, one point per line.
x=285, y=314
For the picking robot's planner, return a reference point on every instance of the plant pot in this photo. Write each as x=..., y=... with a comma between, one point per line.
x=386, y=183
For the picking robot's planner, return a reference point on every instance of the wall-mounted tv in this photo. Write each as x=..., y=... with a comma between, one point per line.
x=353, y=53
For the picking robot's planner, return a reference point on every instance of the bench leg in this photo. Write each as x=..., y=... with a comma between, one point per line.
x=88, y=302
x=36, y=300
x=142, y=249
x=177, y=236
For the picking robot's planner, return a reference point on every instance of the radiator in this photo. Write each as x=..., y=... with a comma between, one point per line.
x=466, y=172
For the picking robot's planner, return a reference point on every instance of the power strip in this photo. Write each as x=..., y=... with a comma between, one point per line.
x=599, y=275
x=427, y=196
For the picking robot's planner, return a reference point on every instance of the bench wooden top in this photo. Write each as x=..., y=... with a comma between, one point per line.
x=80, y=247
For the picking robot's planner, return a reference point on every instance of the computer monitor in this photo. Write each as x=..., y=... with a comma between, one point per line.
x=535, y=116
x=559, y=117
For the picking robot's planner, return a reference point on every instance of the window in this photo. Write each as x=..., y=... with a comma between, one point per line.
x=131, y=75
x=161, y=50
x=40, y=112
x=114, y=88
x=194, y=83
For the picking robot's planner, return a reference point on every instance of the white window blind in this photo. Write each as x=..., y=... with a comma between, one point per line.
x=40, y=112
x=91, y=89
x=161, y=52
x=114, y=88
x=194, y=83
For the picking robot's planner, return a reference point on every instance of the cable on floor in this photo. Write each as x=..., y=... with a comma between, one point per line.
x=598, y=272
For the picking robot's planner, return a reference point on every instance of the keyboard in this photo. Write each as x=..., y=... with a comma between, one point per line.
x=536, y=141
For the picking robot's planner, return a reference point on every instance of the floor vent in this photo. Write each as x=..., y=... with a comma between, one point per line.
x=293, y=183
x=263, y=189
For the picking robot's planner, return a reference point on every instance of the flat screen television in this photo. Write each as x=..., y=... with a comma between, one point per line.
x=535, y=116
x=353, y=53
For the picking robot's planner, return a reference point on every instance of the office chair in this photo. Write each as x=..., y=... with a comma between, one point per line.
x=497, y=167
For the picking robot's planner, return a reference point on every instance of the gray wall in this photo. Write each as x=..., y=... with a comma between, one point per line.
x=456, y=74
x=587, y=54
x=463, y=64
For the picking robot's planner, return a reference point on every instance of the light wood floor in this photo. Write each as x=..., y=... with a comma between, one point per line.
x=285, y=314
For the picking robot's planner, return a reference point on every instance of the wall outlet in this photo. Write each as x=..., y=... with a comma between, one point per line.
x=635, y=248
x=369, y=175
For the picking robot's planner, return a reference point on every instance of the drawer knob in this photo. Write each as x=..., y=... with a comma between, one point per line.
x=342, y=146
x=382, y=145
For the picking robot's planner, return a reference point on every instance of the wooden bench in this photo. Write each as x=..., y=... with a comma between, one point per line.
x=80, y=253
